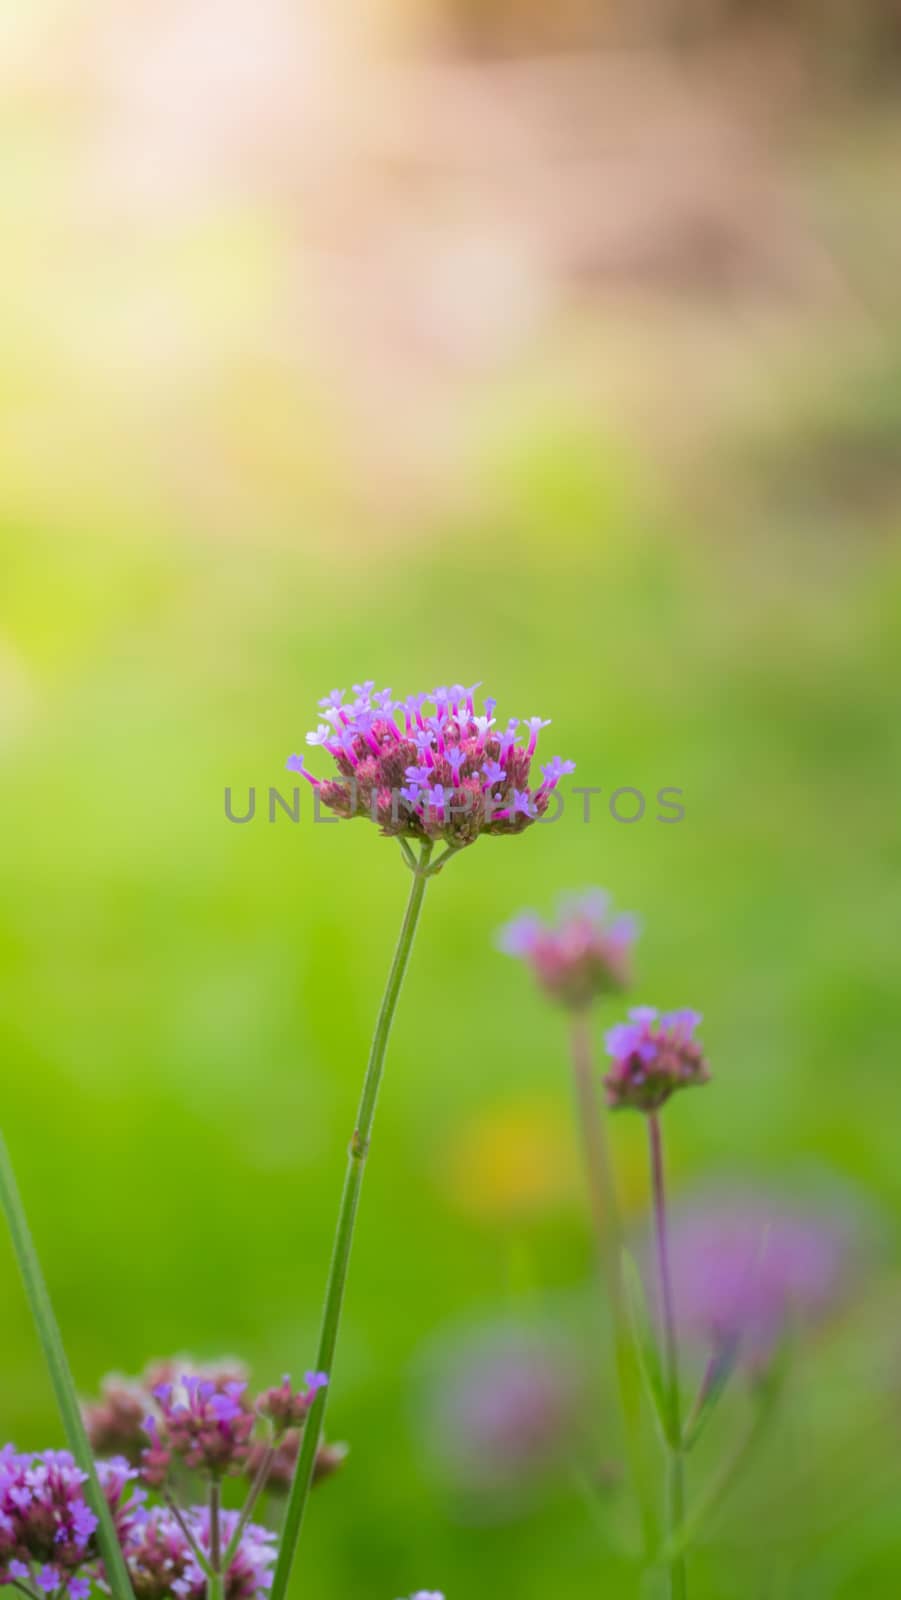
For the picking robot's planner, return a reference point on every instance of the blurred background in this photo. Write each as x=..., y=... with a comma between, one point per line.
x=557, y=346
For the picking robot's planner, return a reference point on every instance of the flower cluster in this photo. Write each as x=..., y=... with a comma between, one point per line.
x=745, y=1262
x=651, y=1057
x=450, y=773
x=206, y=1419
x=584, y=954
x=288, y=1408
x=506, y=1406
x=48, y=1544
x=46, y=1526
x=162, y=1562
x=281, y=1459
x=205, y=1423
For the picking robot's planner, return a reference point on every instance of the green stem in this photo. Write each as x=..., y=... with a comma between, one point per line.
x=196, y=1550
x=675, y=1459
x=215, y=1584
x=608, y=1242
x=344, y=1232
x=60, y=1375
x=256, y=1489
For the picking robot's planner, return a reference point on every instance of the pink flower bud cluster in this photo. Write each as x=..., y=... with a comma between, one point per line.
x=288, y=1408
x=651, y=1057
x=583, y=955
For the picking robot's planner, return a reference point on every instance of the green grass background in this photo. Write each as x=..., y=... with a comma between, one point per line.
x=185, y=1005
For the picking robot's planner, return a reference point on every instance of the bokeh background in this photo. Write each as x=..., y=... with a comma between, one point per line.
x=558, y=346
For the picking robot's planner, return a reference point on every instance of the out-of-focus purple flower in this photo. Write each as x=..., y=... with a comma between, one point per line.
x=161, y=1563
x=504, y=1407
x=583, y=954
x=744, y=1262
x=449, y=775
x=651, y=1057
x=283, y=1459
x=115, y=1422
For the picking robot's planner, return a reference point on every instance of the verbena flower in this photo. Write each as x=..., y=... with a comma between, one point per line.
x=115, y=1423
x=746, y=1262
x=46, y=1526
x=161, y=1562
x=449, y=773
x=286, y=1408
x=205, y=1416
x=585, y=953
x=329, y=1459
x=651, y=1057
x=504, y=1405
x=206, y=1423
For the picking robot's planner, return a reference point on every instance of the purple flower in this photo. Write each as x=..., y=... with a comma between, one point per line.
x=585, y=953
x=44, y=1517
x=206, y=1422
x=746, y=1261
x=334, y=701
x=651, y=1057
x=297, y=763
x=455, y=744
x=162, y=1563
x=535, y=725
x=115, y=1422
x=287, y=1408
x=504, y=1407
x=556, y=769
x=494, y=773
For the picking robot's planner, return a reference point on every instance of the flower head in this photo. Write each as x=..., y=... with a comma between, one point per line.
x=584, y=954
x=651, y=1057
x=446, y=775
x=206, y=1422
x=287, y=1408
x=162, y=1564
x=115, y=1422
x=745, y=1261
x=45, y=1521
x=505, y=1403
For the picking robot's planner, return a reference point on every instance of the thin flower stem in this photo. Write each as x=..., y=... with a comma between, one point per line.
x=608, y=1242
x=347, y=1213
x=198, y=1554
x=675, y=1458
x=215, y=1585
x=60, y=1375
x=256, y=1489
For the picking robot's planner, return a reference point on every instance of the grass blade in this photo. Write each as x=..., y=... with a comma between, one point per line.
x=60, y=1375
